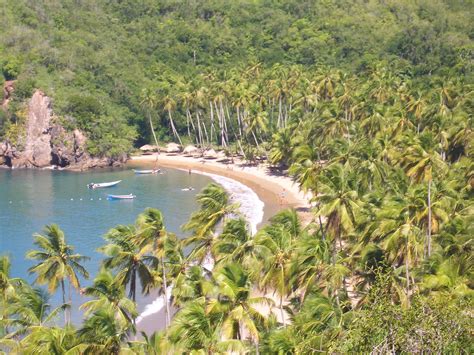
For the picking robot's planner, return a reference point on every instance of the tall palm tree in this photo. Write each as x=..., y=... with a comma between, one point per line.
x=56, y=262
x=149, y=102
x=153, y=233
x=214, y=207
x=419, y=165
x=132, y=262
x=275, y=247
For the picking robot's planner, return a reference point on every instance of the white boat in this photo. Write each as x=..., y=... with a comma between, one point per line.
x=141, y=172
x=94, y=185
x=121, y=197
x=188, y=189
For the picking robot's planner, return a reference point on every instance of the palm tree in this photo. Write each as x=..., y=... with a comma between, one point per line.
x=109, y=293
x=169, y=105
x=214, y=207
x=419, y=165
x=149, y=103
x=7, y=289
x=234, y=301
x=103, y=334
x=31, y=308
x=51, y=340
x=56, y=262
x=132, y=262
x=195, y=330
x=275, y=247
x=153, y=233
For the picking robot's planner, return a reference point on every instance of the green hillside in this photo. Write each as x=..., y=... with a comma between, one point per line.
x=367, y=105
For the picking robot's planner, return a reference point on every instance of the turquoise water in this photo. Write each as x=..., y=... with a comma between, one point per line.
x=30, y=199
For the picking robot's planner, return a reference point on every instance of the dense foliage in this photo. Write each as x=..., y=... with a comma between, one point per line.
x=368, y=106
x=368, y=284
x=120, y=61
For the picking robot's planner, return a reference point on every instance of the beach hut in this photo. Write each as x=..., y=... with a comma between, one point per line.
x=173, y=148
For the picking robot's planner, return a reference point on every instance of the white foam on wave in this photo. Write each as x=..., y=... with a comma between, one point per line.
x=251, y=207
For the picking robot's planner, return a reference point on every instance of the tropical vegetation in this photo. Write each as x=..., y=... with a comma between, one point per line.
x=367, y=105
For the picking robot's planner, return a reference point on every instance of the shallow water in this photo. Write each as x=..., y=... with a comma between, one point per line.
x=30, y=199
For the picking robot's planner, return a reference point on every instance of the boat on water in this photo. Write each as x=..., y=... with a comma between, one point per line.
x=188, y=189
x=121, y=197
x=94, y=185
x=142, y=172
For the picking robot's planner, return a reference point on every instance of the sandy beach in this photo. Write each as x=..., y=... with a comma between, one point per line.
x=276, y=191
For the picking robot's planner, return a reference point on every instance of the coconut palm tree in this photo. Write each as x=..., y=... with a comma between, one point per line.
x=56, y=262
x=107, y=293
x=132, y=262
x=153, y=233
x=233, y=299
x=195, y=330
x=214, y=207
x=149, y=101
x=419, y=165
x=31, y=308
x=275, y=247
x=102, y=333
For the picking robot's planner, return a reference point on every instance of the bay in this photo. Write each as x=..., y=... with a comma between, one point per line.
x=31, y=199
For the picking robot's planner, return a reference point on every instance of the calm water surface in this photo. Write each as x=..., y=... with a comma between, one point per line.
x=30, y=199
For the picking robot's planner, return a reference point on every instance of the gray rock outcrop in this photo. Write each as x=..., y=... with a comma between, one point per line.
x=37, y=151
x=47, y=143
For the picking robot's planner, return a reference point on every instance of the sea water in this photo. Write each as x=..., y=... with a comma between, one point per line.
x=31, y=199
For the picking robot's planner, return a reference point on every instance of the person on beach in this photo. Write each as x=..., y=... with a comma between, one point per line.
x=189, y=171
x=282, y=197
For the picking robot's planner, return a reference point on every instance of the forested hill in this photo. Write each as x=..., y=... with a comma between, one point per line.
x=96, y=57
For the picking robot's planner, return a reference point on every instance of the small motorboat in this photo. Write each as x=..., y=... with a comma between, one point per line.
x=121, y=197
x=94, y=185
x=143, y=172
x=188, y=189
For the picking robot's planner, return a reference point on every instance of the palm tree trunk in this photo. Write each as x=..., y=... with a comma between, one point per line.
x=282, y=313
x=429, y=219
x=407, y=274
x=63, y=290
x=152, y=129
x=165, y=292
x=173, y=128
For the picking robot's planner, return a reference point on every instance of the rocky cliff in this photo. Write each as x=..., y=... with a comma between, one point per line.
x=48, y=144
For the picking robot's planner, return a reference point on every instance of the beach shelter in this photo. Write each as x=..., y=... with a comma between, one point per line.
x=149, y=148
x=173, y=148
x=210, y=154
x=190, y=150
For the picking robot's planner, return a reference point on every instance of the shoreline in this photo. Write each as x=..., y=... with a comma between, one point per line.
x=268, y=187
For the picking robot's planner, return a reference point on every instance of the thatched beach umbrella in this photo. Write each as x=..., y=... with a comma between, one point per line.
x=173, y=148
x=190, y=149
x=149, y=148
x=221, y=155
x=210, y=154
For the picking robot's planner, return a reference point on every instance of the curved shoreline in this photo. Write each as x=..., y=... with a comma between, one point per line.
x=276, y=192
x=269, y=187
